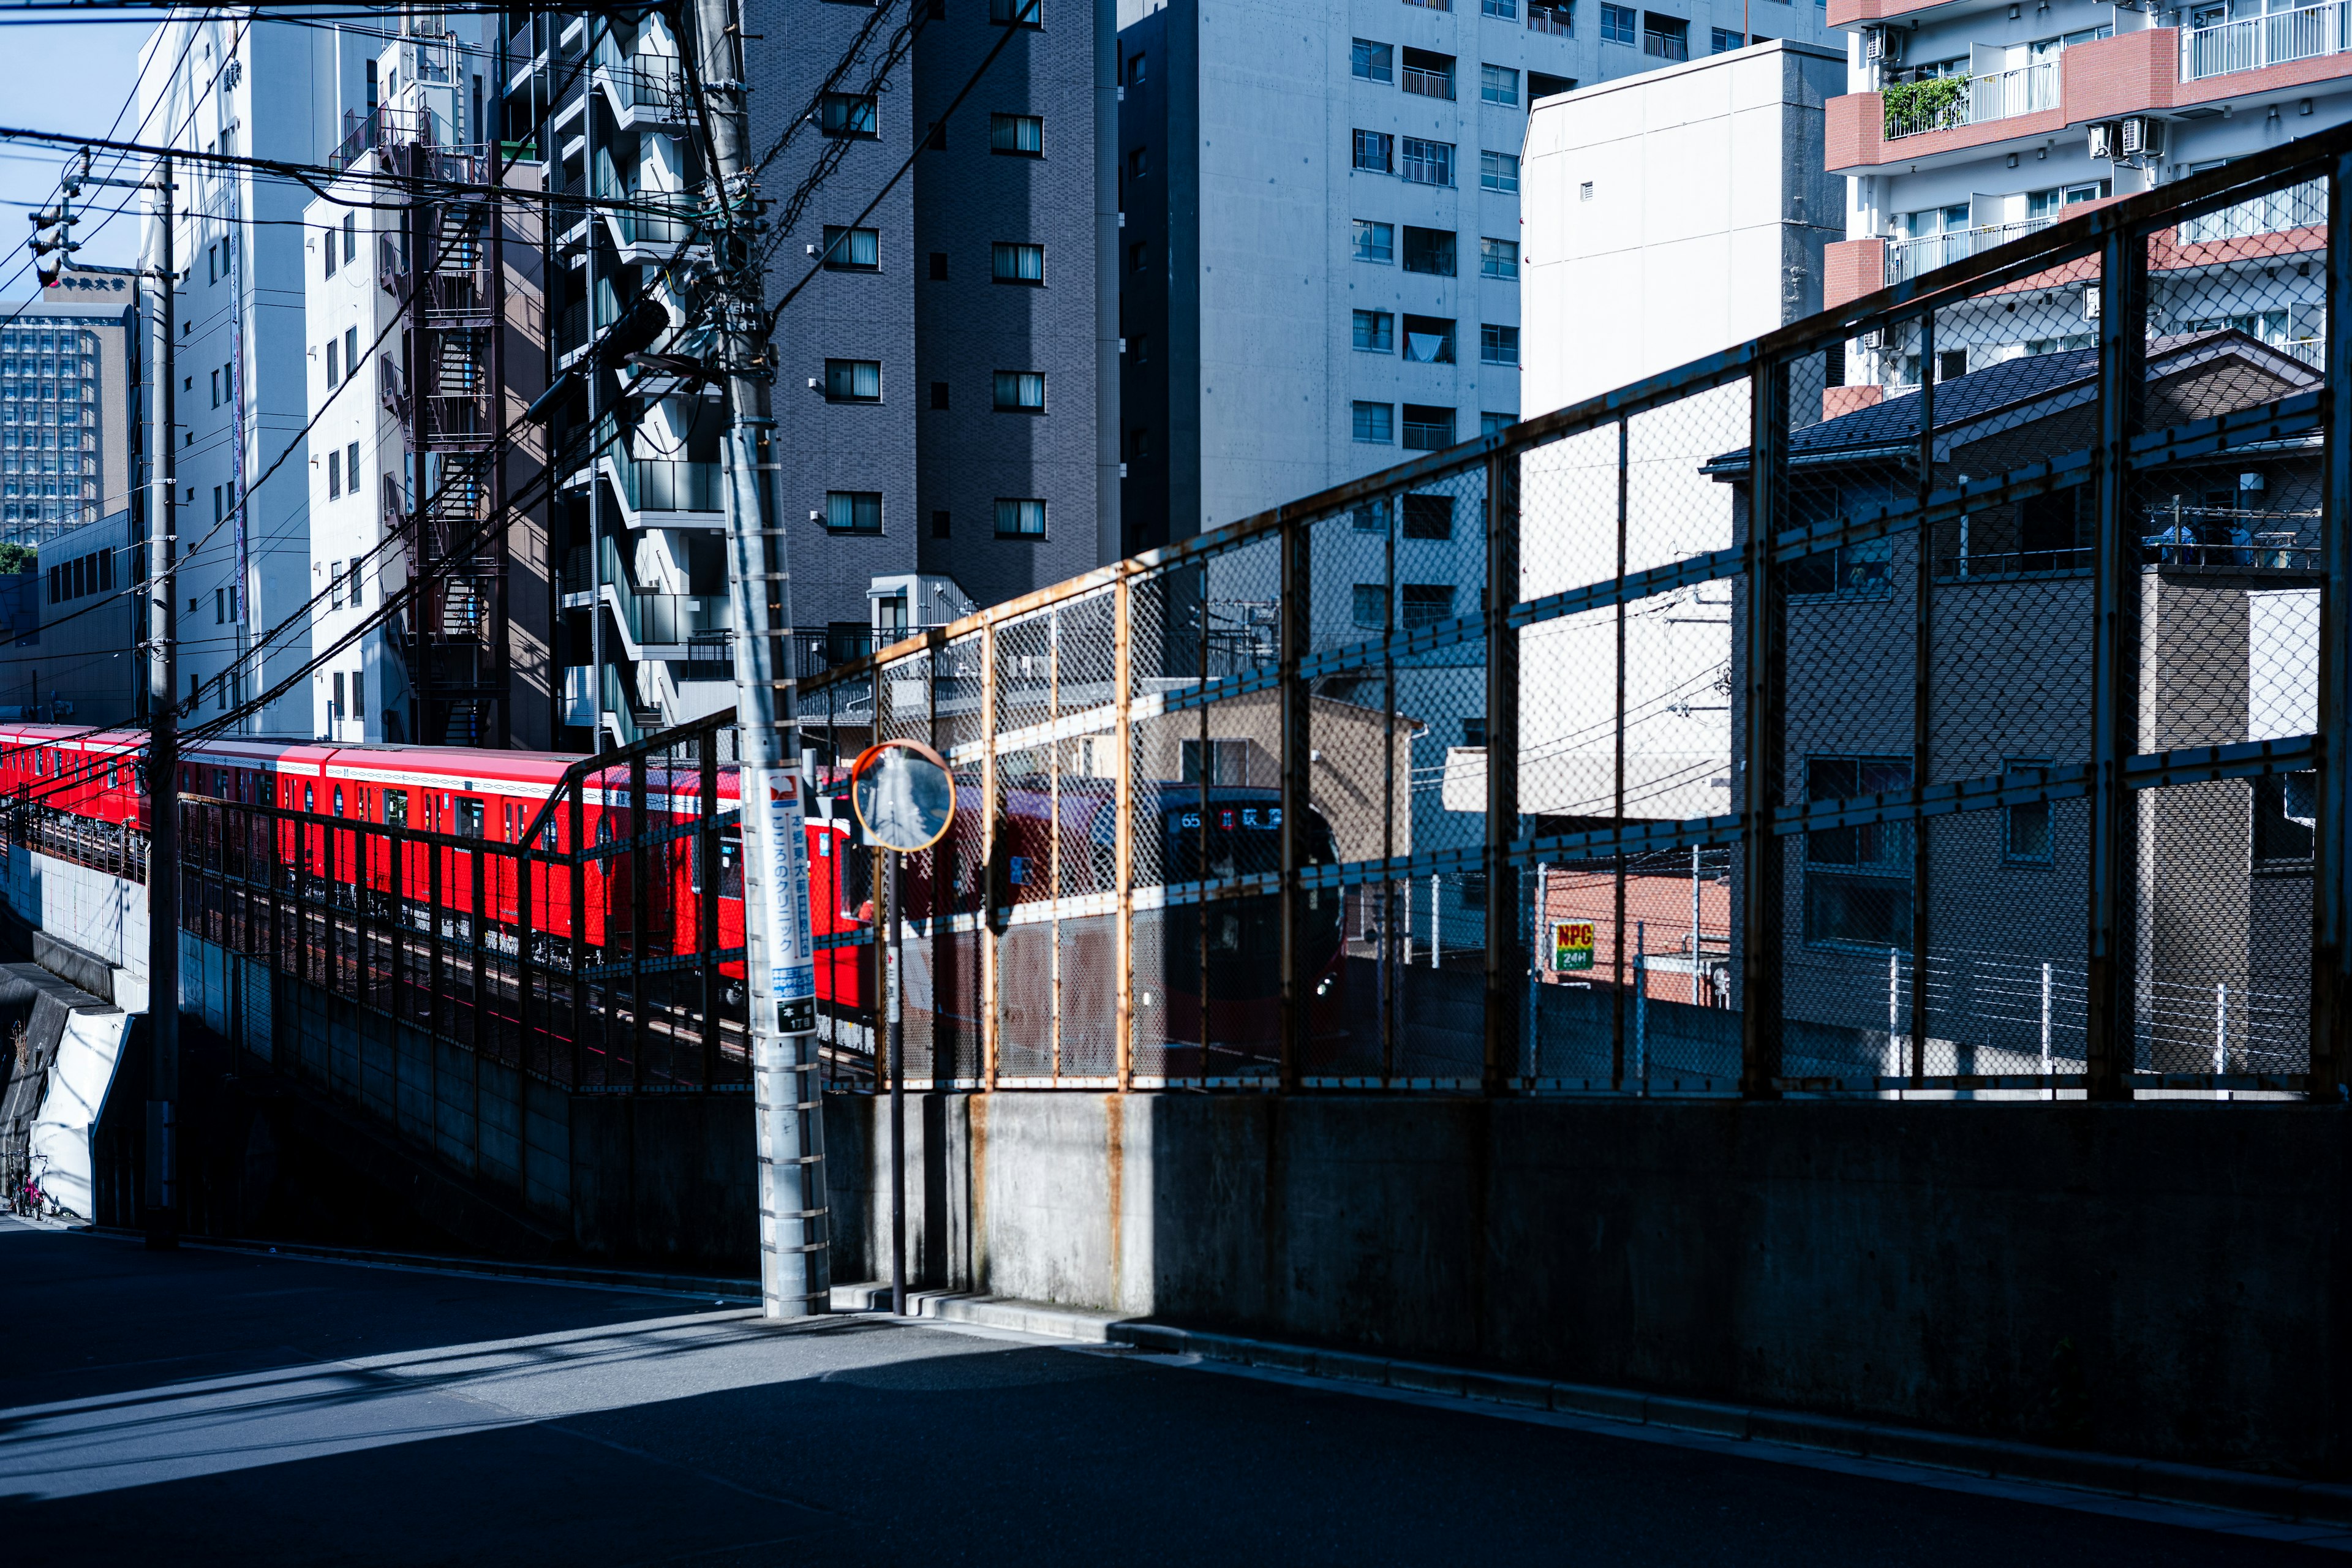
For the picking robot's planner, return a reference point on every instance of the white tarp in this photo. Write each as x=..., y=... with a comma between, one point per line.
x=86, y=1056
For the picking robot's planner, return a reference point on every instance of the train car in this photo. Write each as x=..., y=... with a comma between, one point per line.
x=1052, y=840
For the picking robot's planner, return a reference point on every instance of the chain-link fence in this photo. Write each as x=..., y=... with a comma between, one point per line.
x=1925, y=698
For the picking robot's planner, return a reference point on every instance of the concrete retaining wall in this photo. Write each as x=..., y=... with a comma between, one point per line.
x=2156, y=1279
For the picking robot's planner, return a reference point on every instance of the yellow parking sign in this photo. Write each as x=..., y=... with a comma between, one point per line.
x=1571, y=944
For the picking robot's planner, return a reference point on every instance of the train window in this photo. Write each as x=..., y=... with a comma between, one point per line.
x=338, y=800
x=395, y=807
x=309, y=798
x=547, y=839
x=468, y=814
x=731, y=863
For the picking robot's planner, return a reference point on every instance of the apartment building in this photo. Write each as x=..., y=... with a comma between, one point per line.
x=214, y=82
x=424, y=343
x=947, y=340
x=1968, y=123
x=68, y=370
x=1322, y=243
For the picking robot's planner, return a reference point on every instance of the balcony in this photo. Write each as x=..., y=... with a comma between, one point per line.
x=1909, y=258
x=2252, y=43
x=664, y=485
x=1914, y=108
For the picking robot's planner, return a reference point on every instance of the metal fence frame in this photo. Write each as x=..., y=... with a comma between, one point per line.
x=2117, y=238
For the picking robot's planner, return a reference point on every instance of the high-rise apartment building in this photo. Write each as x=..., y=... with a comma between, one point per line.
x=425, y=344
x=68, y=364
x=1968, y=123
x=947, y=376
x=1321, y=252
x=244, y=85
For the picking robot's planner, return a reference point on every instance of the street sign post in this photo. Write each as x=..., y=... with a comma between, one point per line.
x=904, y=797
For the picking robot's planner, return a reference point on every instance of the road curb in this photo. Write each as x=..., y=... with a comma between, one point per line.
x=2145, y=1480
x=2148, y=1480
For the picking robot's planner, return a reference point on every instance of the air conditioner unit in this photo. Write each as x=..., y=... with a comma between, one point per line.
x=2105, y=141
x=2091, y=297
x=1873, y=340
x=2143, y=137
x=1884, y=46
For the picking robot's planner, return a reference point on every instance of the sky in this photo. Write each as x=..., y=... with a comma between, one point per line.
x=75, y=77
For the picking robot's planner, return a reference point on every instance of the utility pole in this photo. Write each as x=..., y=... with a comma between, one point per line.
x=779, y=970
x=162, y=1197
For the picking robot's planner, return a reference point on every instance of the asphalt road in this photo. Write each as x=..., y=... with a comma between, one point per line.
x=199, y=1407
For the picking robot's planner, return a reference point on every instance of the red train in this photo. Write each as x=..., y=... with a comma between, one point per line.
x=495, y=795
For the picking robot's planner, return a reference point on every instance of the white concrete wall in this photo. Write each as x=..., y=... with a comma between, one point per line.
x=1673, y=215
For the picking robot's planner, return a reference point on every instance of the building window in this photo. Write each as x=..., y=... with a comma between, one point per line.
x=1376, y=423
x=1375, y=241
x=1616, y=24
x=2286, y=811
x=353, y=581
x=852, y=250
x=350, y=236
x=334, y=474
x=1140, y=348
x=1509, y=10
x=853, y=381
x=1139, y=256
x=215, y=389
x=1138, y=164
x=2025, y=828
x=1849, y=572
x=1371, y=61
x=1369, y=517
x=1725, y=40
x=1020, y=519
x=1020, y=392
x=848, y=114
x=1498, y=84
x=1017, y=13
x=1427, y=428
x=1428, y=517
x=351, y=352
x=1667, y=38
x=853, y=511
x=1017, y=135
x=938, y=266
x=1428, y=162
x=1372, y=605
x=1498, y=345
x=1858, y=879
x=1498, y=258
x=1559, y=20
x=1498, y=171
x=1134, y=69
x=1428, y=339
x=1428, y=73
x=1010, y=262
x=1429, y=251
x=1490, y=423
x=1375, y=332
x=942, y=524
x=1424, y=604
x=1376, y=150
x=334, y=597
x=334, y=350
x=939, y=394
x=326, y=247
x=352, y=468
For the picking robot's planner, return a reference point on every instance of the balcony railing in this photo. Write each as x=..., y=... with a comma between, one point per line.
x=1552, y=20
x=1997, y=95
x=1428, y=83
x=2253, y=42
x=2298, y=206
x=1910, y=257
x=662, y=485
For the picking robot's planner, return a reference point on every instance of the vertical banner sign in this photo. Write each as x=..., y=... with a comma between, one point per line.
x=791, y=957
x=1571, y=944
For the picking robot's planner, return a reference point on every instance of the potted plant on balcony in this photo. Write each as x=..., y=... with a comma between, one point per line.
x=1937, y=103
